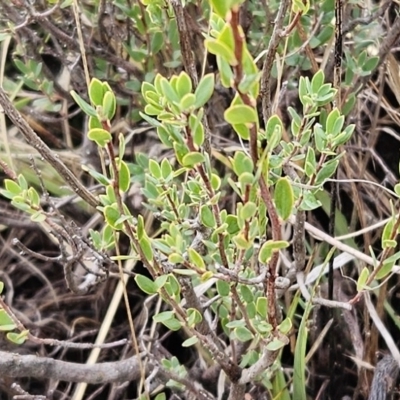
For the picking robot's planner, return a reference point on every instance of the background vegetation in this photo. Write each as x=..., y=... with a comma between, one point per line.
x=200, y=199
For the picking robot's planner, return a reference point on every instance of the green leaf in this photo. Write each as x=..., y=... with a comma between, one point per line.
x=299, y=378
x=225, y=71
x=124, y=176
x=109, y=105
x=251, y=310
x=96, y=175
x=370, y=64
x=145, y=245
x=242, y=130
x=192, y=158
x=246, y=293
x=22, y=182
x=204, y=90
x=362, y=279
x=226, y=36
x=161, y=396
x=147, y=87
x=6, y=322
x=146, y=285
x=157, y=42
x=241, y=241
x=196, y=258
x=183, y=84
x=310, y=164
x=223, y=288
x=222, y=50
x=12, y=186
x=175, y=258
x=168, y=91
x=151, y=109
x=38, y=217
x=173, y=285
x=387, y=232
x=18, y=338
x=100, y=136
x=302, y=7
x=285, y=326
x=197, y=129
x=173, y=324
x=112, y=215
x=155, y=169
x=343, y=137
x=187, y=102
x=96, y=92
x=34, y=197
x=249, y=82
x=397, y=189
x=7, y=194
x=83, y=105
x=140, y=231
x=275, y=345
x=240, y=114
x=309, y=201
x=280, y=384
x=1, y=287
x=221, y=7
x=273, y=131
x=163, y=316
x=242, y=164
x=262, y=307
x=94, y=122
x=243, y=334
x=326, y=171
x=284, y=198
x=207, y=217
x=236, y=323
x=193, y=317
x=385, y=270
x=248, y=210
x=190, y=342
x=166, y=169
x=303, y=91
x=269, y=247
x=331, y=121
x=161, y=281
x=317, y=81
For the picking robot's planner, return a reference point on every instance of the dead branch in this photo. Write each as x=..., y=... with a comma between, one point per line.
x=18, y=366
x=385, y=376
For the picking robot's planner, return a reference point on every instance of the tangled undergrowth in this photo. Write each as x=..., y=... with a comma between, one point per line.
x=169, y=169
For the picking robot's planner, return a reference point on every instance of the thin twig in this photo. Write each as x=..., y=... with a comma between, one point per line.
x=319, y=300
x=54, y=342
x=276, y=37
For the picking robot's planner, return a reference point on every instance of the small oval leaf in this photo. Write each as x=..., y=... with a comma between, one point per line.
x=284, y=198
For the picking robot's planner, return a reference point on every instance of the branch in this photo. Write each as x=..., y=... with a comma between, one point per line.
x=385, y=376
x=269, y=60
x=186, y=47
x=18, y=366
x=267, y=359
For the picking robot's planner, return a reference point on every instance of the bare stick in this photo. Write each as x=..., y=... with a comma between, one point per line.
x=18, y=366
x=269, y=60
x=385, y=376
